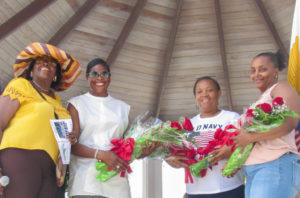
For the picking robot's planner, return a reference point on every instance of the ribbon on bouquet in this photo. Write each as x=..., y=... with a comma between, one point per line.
x=190, y=154
x=224, y=136
x=124, y=150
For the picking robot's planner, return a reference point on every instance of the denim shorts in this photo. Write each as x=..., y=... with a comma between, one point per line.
x=276, y=179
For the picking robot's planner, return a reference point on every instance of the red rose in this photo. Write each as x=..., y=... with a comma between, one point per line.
x=249, y=113
x=267, y=108
x=176, y=125
x=218, y=134
x=229, y=126
x=187, y=125
x=277, y=101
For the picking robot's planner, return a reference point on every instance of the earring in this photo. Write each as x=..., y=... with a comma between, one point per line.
x=31, y=74
x=54, y=79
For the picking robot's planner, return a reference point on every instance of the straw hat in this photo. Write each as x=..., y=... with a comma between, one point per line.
x=70, y=68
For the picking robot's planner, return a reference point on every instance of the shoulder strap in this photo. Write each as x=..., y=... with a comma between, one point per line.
x=55, y=115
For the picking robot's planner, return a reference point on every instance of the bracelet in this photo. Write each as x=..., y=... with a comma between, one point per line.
x=95, y=155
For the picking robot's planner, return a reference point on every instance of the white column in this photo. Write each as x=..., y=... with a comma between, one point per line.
x=152, y=178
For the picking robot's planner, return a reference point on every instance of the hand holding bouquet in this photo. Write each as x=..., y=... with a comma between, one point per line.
x=221, y=138
x=261, y=118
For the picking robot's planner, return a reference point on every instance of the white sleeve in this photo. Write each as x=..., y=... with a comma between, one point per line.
x=232, y=118
x=74, y=102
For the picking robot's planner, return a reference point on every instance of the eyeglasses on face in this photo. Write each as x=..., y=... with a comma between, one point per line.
x=46, y=60
x=103, y=74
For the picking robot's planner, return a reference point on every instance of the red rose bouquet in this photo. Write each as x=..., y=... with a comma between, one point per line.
x=261, y=118
x=170, y=135
x=221, y=138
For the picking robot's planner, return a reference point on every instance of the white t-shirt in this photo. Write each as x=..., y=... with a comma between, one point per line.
x=101, y=119
x=213, y=182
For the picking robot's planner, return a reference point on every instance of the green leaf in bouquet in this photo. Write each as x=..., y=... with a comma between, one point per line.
x=257, y=126
x=100, y=165
x=291, y=113
x=200, y=165
x=105, y=175
x=191, y=140
x=163, y=139
x=137, y=149
x=160, y=151
x=237, y=159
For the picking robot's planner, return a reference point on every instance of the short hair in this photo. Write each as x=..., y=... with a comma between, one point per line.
x=97, y=61
x=206, y=78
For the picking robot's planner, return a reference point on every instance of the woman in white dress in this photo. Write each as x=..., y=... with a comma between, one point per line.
x=97, y=119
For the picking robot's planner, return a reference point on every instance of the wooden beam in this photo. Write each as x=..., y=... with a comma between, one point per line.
x=154, y=184
x=24, y=15
x=73, y=21
x=264, y=13
x=126, y=31
x=223, y=52
x=167, y=59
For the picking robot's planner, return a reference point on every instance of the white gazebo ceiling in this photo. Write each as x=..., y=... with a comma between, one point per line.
x=156, y=48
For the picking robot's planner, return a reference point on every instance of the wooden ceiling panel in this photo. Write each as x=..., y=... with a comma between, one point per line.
x=195, y=4
x=132, y=66
x=9, y=8
x=164, y=10
x=99, y=27
x=281, y=18
x=75, y=4
x=165, y=3
x=131, y=95
x=147, y=51
x=211, y=50
x=138, y=83
x=140, y=62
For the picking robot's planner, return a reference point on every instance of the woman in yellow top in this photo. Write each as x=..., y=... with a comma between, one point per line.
x=28, y=149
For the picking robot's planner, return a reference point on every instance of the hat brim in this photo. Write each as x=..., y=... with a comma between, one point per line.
x=70, y=67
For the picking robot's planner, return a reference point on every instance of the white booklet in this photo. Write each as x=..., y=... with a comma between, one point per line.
x=61, y=127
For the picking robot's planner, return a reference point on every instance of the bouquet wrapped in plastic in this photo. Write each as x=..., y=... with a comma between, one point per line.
x=261, y=118
x=141, y=135
x=221, y=138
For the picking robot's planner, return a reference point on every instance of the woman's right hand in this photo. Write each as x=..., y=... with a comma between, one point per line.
x=113, y=161
x=72, y=136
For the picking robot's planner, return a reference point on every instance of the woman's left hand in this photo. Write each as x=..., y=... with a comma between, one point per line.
x=242, y=139
x=149, y=149
x=72, y=137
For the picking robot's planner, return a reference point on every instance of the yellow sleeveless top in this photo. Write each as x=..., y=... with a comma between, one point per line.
x=30, y=127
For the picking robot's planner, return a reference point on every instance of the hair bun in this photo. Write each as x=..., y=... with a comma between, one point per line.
x=281, y=60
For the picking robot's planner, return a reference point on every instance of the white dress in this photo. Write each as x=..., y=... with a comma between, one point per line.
x=213, y=182
x=101, y=119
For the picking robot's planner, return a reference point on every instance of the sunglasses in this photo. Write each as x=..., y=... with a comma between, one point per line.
x=95, y=74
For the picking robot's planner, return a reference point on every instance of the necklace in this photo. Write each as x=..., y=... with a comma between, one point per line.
x=41, y=88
